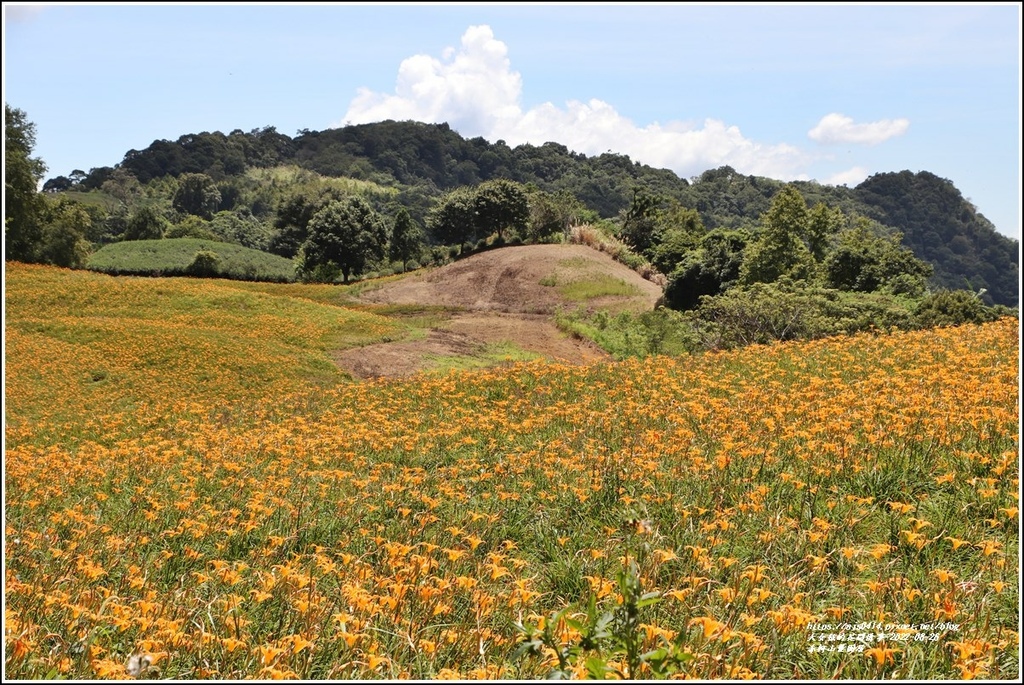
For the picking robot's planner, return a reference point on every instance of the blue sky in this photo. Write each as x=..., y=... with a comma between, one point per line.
x=832, y=93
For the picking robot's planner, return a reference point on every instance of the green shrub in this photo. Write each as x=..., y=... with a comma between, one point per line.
x=206, y=263
x=953, y=308
x=321, y=273
x=191, y=227
x=792, y=310
x=658, y=331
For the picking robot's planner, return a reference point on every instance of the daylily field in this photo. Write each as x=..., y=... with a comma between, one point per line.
x=193, y=490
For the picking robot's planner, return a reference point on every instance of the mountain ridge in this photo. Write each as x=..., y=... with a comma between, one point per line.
x=425, y=160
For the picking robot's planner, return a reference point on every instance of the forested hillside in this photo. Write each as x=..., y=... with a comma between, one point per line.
x=941, y=227
x=423, y=161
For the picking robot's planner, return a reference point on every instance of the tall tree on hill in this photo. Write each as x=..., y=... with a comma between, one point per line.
x=122, y=185
x=680, y=232
x=24, y=207
x=58, y=184
x=406, y=238
x=501, y=205
x=452, y=221
x=294, y=214
x=145, y=224
x=823, y=225
x=863, y=261
x=780, y=250
x=343, y=237
x=711, y=269
x=552, y=213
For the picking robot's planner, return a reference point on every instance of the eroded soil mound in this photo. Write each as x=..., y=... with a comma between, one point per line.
x=501, y=299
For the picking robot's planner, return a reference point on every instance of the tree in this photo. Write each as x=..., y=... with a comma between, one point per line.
x=242, y=228
x=786, y=310
x=681, y=232
x=787, y=214
x=122, y=186
x=453, y=219
x=780, y=250
x=197, y=194
x=709, y=270
x=57, y=184
x=24, y=207
x=98, y=217
x=205, y=264
x=64, y=240
x=823, y=223
x=551, y=214
x=501, y=205
x=406, y=238
x=865, y=262
x=640, y=226
x=544, y=216
x=145, y=224
x=953, y=308
x=294, y=214
x=191, y=226
x=96, y=177
x=343, y=236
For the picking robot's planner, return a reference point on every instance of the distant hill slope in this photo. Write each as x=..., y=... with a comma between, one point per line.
x=943, y=228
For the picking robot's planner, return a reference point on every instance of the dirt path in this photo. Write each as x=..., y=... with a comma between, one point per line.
x=504, y=299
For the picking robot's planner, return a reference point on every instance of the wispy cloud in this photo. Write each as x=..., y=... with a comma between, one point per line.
x=475, y=90
x=840, y=129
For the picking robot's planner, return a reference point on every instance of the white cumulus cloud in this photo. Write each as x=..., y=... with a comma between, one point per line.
x=475, y=90
x=850, y=177
x=470, y=88
x=837, y=128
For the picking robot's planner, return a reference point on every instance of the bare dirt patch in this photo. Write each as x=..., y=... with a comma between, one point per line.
x=507, y=296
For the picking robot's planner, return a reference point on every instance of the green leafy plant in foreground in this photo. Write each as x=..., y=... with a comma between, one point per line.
x=609, y=642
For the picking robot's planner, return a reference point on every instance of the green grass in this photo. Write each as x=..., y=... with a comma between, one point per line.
x=574, y=281
x=574, y=262
x=291, y=174
x=492, y=354
x=95, y=198
x=597, y=285
x=624, y=335
x=173, y=256
x=418, y=319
